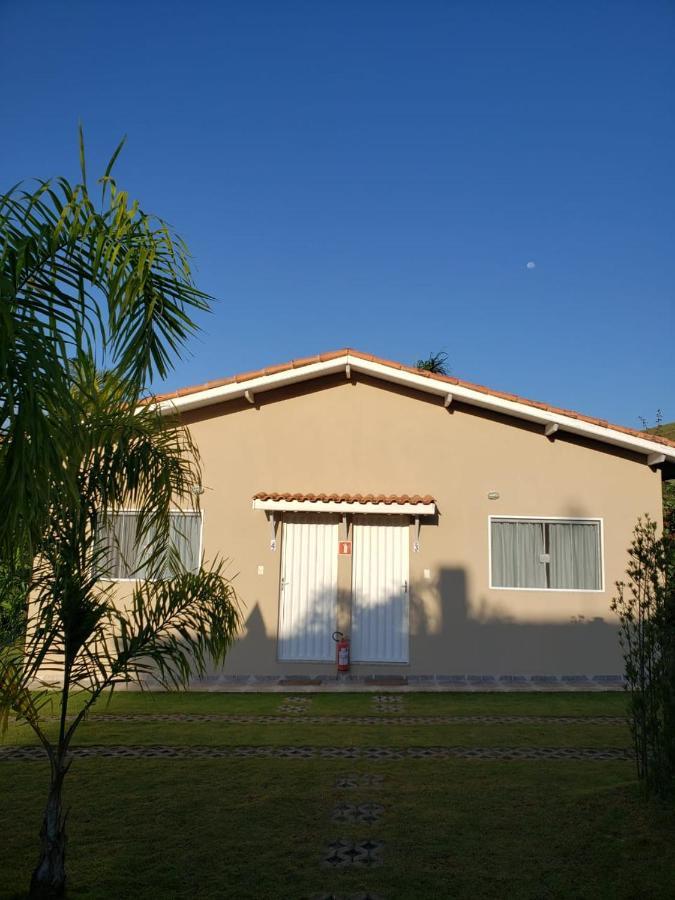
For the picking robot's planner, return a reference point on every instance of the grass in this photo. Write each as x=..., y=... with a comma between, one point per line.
x=219, y=734
x=526, y=703
x=252, y=828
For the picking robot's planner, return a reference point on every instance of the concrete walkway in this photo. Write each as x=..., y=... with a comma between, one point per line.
x=439, y=684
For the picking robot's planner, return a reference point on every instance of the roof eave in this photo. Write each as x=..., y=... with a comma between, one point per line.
x=447, y=389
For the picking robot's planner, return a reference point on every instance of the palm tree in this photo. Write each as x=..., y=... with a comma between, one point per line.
x=80, y=635
x=76, y=272
x=86, y=283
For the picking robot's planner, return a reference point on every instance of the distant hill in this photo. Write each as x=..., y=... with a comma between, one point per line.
x=666, y=430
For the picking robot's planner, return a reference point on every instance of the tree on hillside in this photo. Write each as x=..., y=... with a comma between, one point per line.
x=76, y=448
x=435, y=363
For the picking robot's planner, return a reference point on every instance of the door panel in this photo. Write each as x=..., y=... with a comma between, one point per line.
x=380, y=573
x=308, y=592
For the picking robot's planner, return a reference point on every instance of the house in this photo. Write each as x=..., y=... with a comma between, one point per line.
x=450, y=530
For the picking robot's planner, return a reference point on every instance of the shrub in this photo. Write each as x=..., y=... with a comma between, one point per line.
x=645, y=604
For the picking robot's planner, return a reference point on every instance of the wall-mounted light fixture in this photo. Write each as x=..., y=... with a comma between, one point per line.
x=493, y=495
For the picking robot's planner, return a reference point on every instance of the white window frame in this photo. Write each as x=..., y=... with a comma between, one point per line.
x=596, y=520
x=172, y=512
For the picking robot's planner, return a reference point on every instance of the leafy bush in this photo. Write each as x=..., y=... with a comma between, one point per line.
x=646, y=608
x=12, y=604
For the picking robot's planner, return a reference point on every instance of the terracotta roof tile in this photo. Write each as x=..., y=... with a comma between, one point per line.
x=389, y=499
x=446, y=379
x=304, y=361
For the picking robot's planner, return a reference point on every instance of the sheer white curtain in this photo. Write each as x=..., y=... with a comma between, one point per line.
x=185, y=533
x=574, y=548
x=126, y=554
x=517, y=548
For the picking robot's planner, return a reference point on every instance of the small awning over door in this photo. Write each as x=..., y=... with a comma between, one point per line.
x=382, y=504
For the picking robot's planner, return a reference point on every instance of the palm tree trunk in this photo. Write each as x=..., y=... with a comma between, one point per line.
x=49, y=876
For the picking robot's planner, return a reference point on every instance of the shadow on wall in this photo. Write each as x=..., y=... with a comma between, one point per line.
x=454, y=636
x=450, y=635
x=306, y=637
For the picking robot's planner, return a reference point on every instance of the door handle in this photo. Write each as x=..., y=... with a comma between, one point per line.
x=405, y=587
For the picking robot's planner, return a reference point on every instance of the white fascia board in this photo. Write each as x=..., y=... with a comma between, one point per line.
x=237, y=390
x=342, y=506
x=513, y=408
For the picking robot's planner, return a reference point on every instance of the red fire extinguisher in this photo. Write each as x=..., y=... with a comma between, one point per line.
x=342, y=651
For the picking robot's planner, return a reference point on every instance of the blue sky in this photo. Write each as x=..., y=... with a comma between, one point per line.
x=379, y=174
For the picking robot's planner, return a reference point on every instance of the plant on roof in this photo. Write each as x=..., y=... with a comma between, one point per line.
x=80, y=279
x=436, y=363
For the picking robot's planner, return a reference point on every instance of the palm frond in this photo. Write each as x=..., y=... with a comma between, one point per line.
x=76, y=275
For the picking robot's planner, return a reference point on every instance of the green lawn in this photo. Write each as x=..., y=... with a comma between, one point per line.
x=526, y=703
x=253, y=828
x=227, y=734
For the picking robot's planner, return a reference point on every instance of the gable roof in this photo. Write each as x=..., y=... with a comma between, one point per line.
x=656, y=448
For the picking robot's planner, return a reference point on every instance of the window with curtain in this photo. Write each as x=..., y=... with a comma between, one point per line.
x=546, y=554
x=126, y=553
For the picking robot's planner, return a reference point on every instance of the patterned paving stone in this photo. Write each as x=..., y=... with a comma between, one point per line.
x=388, y=703
x=295, y=704
x=353, y=780
x=366, y=896
x=340, y=753
x=341, y=854
x=370, y=753
x=362, y=813
x=300, y=719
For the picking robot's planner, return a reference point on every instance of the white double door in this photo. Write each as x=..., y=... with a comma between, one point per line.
x=309, y=588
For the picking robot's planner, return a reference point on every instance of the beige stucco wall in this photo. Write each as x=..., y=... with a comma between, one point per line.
x=365, y=436
x=370, y=437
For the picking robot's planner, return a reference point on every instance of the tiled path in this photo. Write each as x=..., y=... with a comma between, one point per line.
x=295, y=704
x=362, y=852
x=388, y=703
x=369, y=753
x=301, y=719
